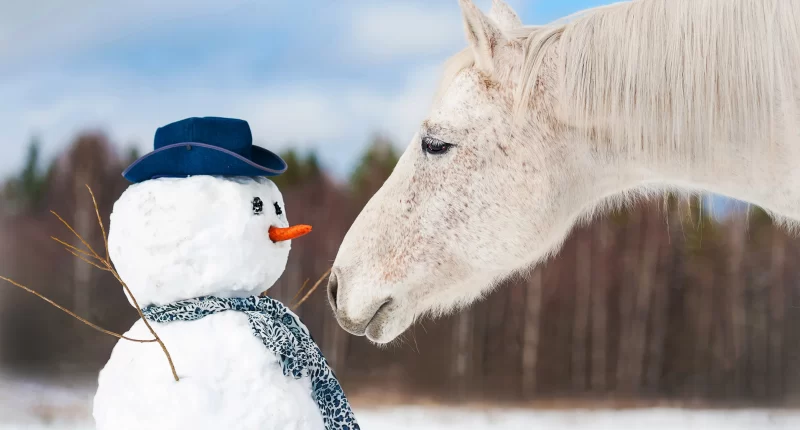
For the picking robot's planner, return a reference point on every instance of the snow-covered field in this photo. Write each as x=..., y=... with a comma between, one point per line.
x=649, y=419
x=427, y=418
x=32, y=405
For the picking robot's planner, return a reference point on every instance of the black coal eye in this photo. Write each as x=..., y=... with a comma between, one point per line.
x=435, y=146
x=278, y=210
x=258, y=206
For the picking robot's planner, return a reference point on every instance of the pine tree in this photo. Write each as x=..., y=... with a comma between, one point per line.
x=299, y=169
x=375, y=166
x=25, y=191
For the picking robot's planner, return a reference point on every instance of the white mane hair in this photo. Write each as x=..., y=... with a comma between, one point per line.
x=618, y=89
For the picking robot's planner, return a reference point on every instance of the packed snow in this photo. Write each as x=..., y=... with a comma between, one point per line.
x=227, y=375
x=424, y=418
x=178, y=238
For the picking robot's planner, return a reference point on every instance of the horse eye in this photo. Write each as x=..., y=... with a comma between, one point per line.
x=435, y=146
x=278, y=210
x=258, y=206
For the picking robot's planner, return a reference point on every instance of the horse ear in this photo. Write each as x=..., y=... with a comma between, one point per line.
x=504, y=16
x=483, y=35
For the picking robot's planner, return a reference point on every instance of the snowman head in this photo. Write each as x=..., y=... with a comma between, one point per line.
x=178, y=238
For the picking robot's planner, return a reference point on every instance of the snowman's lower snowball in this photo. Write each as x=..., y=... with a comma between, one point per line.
x=228, y=381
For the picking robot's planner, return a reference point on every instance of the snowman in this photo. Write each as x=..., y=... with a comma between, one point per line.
x=197, y=237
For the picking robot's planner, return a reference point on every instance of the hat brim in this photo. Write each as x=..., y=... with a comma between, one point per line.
x=194, y=158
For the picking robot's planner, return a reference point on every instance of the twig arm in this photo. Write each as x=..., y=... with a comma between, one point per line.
x=105, y=264
x=72, y=314
x=312, y=289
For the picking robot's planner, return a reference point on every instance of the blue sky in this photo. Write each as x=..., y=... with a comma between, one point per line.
x=311, y=73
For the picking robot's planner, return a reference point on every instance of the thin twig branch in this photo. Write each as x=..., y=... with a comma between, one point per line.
x=85, y=260
x=72, y=314
x=300, y=291
x=110, y=268
x=89, y=247
x=106, y=265
x=99, y=221
x=311, y=291
x=146, y=323
x=74, y=248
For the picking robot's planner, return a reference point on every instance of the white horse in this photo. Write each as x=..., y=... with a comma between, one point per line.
x=535, y=128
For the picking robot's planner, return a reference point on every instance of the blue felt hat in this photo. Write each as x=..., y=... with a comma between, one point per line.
x=205, y=146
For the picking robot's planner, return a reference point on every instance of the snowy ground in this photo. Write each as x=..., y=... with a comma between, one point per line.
x=650, y=419
x=33, y=405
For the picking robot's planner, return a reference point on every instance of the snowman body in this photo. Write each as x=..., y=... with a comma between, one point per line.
x=175, y=239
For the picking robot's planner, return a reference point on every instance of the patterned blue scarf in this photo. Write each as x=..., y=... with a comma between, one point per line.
x=284, y=335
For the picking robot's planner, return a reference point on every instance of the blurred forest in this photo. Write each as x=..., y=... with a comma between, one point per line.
x=656, y=302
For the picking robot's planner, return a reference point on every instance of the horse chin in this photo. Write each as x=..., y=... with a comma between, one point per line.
x=389, y=322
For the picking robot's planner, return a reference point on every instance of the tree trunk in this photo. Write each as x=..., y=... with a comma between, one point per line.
x=660, y=308
x=83, y=217
x=602, y=280
x=643, y=293
x=777, y=307
x=631, y=261
x=791, y=344
x=758, y=322
x=583, y=267
x=513, y=333
x=737, y=234
x=493, y=344
x=530, y=348
x=480, y=318
x=703, y=309
x=462, y=347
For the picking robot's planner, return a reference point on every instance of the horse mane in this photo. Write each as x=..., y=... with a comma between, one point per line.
x=667, y=77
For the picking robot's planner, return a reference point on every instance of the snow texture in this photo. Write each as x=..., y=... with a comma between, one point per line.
x=174, y=239
x=424, y=418
x=228, y=380
x=44, y=405
x=178, y=238
x=33, y=405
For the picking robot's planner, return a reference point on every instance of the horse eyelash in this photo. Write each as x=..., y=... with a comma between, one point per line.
x=446, y=145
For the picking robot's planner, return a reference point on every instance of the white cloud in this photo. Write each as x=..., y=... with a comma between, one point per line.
x=337, y=118
x=381, y=32
x=401, y=111
x=378, y=32
x=372, y=30
x=31, y=29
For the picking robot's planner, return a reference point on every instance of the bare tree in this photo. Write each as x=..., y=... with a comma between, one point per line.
x=532, y=330
x=580, y=329
x=660, y=303
x=631, y=261
x=737, y=234
x=777, y=312
x=87, y=162
x=462, y=347
x=643, y=294
x=603, y=255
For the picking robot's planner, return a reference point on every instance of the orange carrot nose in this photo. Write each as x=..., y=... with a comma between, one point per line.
x=279, y=234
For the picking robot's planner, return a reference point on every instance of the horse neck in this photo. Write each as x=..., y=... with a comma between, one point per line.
x=766, y=176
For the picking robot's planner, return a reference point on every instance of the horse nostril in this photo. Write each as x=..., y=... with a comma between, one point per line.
x=333, y=288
